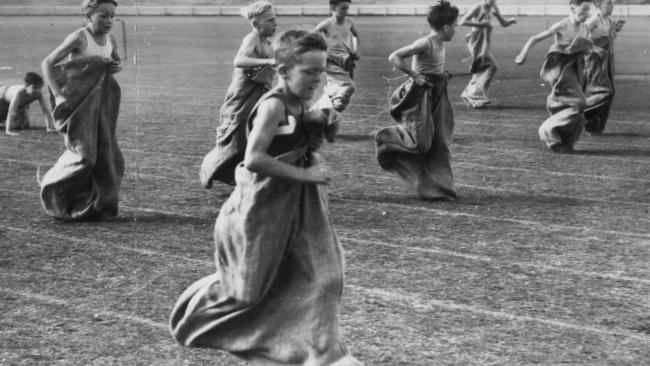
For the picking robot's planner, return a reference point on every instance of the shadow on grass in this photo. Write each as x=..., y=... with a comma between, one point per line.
x=615, y=152
x=625, y=134
x=469, y=198
x=157, y=218
x=510, y=107
x=353, y=137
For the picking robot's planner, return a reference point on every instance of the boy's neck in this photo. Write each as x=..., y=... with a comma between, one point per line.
x=436, y=36
x=256, y=32
x=574, y=20
x=94, y=32
x=337, y=19
x=292, y=100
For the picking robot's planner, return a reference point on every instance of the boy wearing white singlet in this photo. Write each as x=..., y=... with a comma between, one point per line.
x=342, y=45
x=84, y=183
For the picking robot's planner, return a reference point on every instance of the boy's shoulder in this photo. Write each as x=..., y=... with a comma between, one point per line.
x=272, y=105
x=77, y=35
x=560, y=25
x=251, y=38
x=78, y=32
x=326, y=23
x=422, y=42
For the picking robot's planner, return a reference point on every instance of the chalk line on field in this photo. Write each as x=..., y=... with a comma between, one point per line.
x=414, y=301
x=532, y=223
x=344, y=238
x=487, y=259
x=430, y=305
x=392, y=178
x=82, y=308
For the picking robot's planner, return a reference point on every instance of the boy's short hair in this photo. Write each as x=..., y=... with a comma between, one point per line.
x=579, y=2
x=88, y=7
x=442, y=14
x=32, y=78
x=256, y=9
x=290, y=44
x=336, y=2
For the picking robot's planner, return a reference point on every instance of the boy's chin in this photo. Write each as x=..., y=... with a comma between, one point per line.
x=307, y=96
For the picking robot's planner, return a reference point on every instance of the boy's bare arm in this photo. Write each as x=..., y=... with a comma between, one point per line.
x=265, y=124
x=321, y=27
x=502, y=21
x=244, y=57
x=521, y=58
x=355, y=39
x=49, y=120
x=116, y=65
x=11, y=113
x=466, y=19
x=70, y=43
x=398, y=59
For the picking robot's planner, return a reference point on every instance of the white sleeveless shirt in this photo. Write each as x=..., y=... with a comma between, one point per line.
x=93, y=49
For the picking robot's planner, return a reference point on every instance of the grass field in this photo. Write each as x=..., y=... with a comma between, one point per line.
x=543, y=260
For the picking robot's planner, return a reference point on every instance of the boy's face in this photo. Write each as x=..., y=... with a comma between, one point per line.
x=490, y=2
x=266, y=23
x=449, y=30
x=304, y=77
x=32, y=89
x=340, y=10
x=581, y=12
x=606, y=7
x=102, y=18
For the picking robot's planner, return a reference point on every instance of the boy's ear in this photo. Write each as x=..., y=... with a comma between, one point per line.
x=255, y=23
x=282, y=70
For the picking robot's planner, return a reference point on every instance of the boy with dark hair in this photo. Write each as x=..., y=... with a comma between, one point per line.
x=563, y=70
x=418, y=148
x=15, y=101
x=343, y=43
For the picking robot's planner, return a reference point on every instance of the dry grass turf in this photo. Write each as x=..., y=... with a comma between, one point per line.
x=543, y=260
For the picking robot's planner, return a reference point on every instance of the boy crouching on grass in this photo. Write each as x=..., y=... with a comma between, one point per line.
x=15, y=101
x=418, y=149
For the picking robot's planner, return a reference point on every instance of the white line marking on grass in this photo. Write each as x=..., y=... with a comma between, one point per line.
x=412, y=300
x=496, y=122
x=552, y=172
x=430, y=305
x=391, y=178
x=82, y=308
x=104, y=244
x=447, y=213
x=486, y=259
x=532, y=151
x=406, y=247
